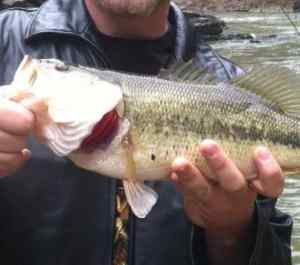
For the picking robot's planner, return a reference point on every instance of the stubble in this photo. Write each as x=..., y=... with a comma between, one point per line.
x=130, y=7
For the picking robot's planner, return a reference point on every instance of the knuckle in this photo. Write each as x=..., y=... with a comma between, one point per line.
x=12, y=159
x=188, y=189
x=195, y=187
x=187, y=169
x=12, y=162
x=274, y=191
x=16, y=119
x=218, y=162
x=273, y=180
x=203, y=193
x=18, y=141
x=238, y=186
x=25, y=123
x=272, y=172
x=278, y=191
x=232, y=179
x=12, y=143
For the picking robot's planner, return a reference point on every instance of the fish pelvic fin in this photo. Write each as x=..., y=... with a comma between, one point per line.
x=277, y=86
x=140, y=197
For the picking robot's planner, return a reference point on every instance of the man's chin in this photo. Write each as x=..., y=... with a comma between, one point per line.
x=130, y=7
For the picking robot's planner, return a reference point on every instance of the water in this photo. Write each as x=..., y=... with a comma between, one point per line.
x=283, y=50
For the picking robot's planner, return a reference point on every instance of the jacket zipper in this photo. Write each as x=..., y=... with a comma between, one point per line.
x=111, y=222
x=131, y=238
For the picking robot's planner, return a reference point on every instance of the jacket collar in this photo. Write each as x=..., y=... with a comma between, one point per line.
x=71, y=17
x=60, y=16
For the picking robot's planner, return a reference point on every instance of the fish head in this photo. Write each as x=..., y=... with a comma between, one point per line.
x=67, y=101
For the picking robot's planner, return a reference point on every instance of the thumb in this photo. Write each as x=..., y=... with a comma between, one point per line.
x=270, y=181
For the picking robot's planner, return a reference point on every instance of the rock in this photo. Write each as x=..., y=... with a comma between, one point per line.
x=206, y=24
x=296, y=6
x=242, y=36
x=207, y=27
x=261, y=39
x=237, y=36
x=20, y=3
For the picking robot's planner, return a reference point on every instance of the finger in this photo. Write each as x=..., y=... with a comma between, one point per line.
x=189, y=179
x=174, y=177
x=10, y=162
x=270, y=180
x=228, y=175
x=11, y=143
x=14, y=118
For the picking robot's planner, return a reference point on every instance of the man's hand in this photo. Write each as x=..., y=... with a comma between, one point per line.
x=224, y=208
x=15, y=125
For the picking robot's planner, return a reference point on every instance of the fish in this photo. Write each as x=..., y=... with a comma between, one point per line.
x=132, y=127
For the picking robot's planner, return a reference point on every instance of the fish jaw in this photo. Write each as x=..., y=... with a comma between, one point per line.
x=106, y=159
x=98, y=161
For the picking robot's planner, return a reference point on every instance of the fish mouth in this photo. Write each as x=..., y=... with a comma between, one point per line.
x=102, y=133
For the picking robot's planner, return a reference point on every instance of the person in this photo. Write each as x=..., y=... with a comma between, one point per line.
x=55, y=213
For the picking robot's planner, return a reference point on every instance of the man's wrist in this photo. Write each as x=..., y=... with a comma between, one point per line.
x=233, y=244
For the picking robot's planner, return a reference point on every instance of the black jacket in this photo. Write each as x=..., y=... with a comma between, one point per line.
x=55, y=213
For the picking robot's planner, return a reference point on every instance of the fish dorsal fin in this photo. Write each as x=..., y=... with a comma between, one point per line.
x=278, y=86
x=187, y=72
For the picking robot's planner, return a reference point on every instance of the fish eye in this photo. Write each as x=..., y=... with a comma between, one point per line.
x=61, y=67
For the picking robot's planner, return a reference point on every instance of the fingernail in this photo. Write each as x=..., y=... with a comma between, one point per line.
x=26, y=153
x=179, y=164
x=174, y=177
x=263, y=154
x=209, y=148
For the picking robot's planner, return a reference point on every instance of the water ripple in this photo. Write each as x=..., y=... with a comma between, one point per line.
x=284, y=49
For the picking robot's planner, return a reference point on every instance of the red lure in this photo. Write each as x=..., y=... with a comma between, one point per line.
x=101, y=131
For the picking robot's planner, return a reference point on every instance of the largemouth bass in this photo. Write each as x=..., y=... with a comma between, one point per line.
x=146, y=122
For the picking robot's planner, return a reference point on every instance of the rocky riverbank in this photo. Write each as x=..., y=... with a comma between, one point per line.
x=195, y=5
x=231, y=5
x=209, y=27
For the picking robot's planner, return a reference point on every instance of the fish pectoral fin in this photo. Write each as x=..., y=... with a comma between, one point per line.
x=140, y=197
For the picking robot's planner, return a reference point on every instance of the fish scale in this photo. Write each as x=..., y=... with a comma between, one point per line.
x=235, y=117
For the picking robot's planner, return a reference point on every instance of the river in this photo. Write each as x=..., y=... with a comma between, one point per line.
x=284, y=50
